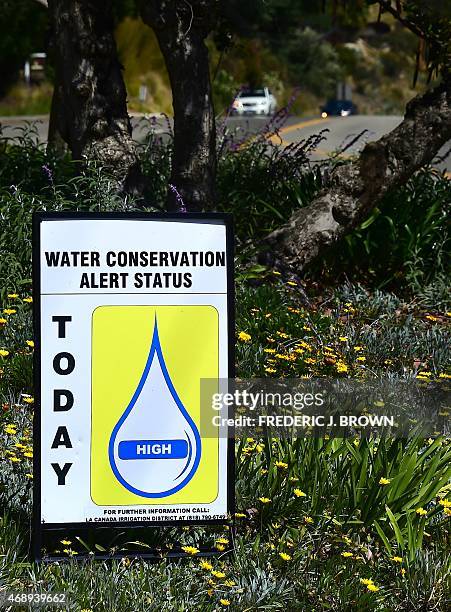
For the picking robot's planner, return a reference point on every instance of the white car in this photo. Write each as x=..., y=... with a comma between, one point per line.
x=254, y=102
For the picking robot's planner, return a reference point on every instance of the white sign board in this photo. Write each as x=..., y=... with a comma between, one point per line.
x=131, y=312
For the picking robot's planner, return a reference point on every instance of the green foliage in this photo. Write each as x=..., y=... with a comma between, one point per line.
x=32, y=179
x=406, y=238
x=314, y=63
x=289, y=340
x=261, y=183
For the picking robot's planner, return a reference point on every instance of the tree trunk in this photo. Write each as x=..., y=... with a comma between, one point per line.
x=90, y=102
x=181, y=28
x=354, y=189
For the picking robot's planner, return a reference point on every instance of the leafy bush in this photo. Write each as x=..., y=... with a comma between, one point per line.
x=261, y=184
x=405, y=241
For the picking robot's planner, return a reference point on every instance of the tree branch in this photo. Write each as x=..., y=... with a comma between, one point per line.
x=386, y=5
x=356, y=188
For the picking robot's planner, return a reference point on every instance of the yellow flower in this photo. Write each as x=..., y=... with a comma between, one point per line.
x=447, y=511
x=445, y=502
x=190, y=550
x=229, y=583
x=222, y=541
x=308, y=520
x=372, y=587
x=285, y=556
x=28, y=300
x=343, y=338
x=429, y=317
x=270, y=370
x=206, y=566
x=28, y=454
x=29, y=475
x=282, y=334
x=358, y=348
x=341, y=367
x=240, y=515
x=264, y=500
x=28, y=400
x=9, y=311
x=346, y=554
x=403, y=571
x=293, y=284
x=423, y=373
x=421, y=511
x=66, y=542
x=4, y=353
x=397, y=559
x=362, y=359
x=384, y=481
x=13, y=296
x=217, y=574
x=224, y=602
x=30, y=343
x=3, y=321
x=282, y=465
x=15, y=459
x=244, y=337
x=220, y=547
x=443, y=375
x=366, y=581
x=269, y=350
x=299, y=493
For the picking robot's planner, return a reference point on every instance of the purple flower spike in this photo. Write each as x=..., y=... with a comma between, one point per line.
x=178, y=197
x=47, y=171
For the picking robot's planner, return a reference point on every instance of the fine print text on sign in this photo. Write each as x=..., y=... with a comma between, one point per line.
x=131, y=313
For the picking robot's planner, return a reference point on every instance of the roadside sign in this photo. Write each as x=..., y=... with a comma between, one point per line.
x=132, y=311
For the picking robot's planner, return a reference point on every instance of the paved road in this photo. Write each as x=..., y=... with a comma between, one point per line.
x=336, y=132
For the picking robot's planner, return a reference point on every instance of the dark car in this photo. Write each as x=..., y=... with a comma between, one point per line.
x=340, y=108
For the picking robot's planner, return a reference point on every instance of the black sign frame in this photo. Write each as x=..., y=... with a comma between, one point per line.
x=38, y=528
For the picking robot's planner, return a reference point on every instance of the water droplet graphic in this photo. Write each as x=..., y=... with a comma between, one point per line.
x=155, y=446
